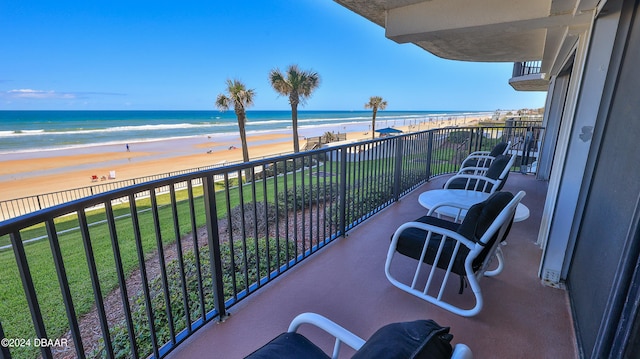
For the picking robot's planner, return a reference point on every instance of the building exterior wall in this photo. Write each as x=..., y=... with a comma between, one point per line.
x=569, y=160
x=603, y=246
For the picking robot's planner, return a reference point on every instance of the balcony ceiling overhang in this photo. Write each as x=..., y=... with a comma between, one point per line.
x=487, y=31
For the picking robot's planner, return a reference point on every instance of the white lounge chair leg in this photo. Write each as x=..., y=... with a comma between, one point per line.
x=495, y=272
x=461, y=351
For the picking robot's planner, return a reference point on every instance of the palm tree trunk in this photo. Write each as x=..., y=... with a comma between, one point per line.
x=243, y=138
x=373, y=124
x=294, y=120
x=245, y=148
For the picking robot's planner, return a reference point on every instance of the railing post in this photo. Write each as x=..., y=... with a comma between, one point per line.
x=30, y=291
x=58, y=261
x=429, y=153
x=343, y=190
x=211, y=214
x=517, y=69
x=397, y=173
x=4, y=350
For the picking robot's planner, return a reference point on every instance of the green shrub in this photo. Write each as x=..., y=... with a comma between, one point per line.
x=360, y=201
x=257, y=215
x=241, y=268
x=303, y=197
x=459, y=136
x=281, y=168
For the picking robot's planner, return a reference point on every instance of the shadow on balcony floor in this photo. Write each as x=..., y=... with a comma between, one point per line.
x=346, y=283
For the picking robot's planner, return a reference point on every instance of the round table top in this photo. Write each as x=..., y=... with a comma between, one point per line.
x=432, y=198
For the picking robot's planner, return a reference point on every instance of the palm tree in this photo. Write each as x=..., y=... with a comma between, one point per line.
x=376, y=103
x=298, y=85
x=240, y=98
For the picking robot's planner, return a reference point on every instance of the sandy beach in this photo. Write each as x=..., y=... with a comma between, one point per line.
x=63, y=170
x=50, y=171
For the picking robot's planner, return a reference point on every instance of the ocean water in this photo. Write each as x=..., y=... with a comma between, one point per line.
x=31, y=131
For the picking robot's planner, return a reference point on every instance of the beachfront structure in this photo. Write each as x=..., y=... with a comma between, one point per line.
x=585, y=53
x=584, y=212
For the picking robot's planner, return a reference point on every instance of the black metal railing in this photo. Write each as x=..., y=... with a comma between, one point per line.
x=526, y=68
x=134, y=271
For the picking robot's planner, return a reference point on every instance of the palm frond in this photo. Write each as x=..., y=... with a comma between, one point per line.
x=295, y=83
x=222, y=102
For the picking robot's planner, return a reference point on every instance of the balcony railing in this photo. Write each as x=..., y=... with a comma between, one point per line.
x=526, y=68
x=135, y=271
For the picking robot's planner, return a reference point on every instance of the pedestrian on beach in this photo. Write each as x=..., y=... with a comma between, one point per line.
x=128, y=148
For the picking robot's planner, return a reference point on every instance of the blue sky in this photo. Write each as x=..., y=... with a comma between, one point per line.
x=176, y=55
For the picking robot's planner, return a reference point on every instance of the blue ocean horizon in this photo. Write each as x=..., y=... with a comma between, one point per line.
x=31, y=131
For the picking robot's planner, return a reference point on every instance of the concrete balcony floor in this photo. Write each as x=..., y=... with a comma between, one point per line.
x=345, y=282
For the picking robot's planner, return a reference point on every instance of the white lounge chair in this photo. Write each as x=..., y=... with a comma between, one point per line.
x=484, y=158
x=482, y=179
x=417, y=339
x=465, y=249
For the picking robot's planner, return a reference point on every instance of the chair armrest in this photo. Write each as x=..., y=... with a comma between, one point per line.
x=456, y=205
x=481, y=153
x=448, y=204
x=429, y=228
x=473, y=170
x=485, y=160
x=341, y=334
x=485, y=156
x=480, y=156
x=472, y=176
x=468, y=177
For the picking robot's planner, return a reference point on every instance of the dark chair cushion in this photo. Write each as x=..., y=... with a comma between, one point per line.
x=480, y=217
x=420, y=339
x=497, y=166
x=289, y=345
x=411, y=242
x=476, y=222
x=495, y=152
x=498, y=149
x=504, y=180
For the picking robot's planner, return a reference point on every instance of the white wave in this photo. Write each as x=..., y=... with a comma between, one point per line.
x=176, y=126
x=95, y=144
x=20, y=133
x=267, y=122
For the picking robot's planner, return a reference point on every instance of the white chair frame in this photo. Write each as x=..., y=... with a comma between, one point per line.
x=482, y=158
x=422, y=291
x=481, y=181
x=460, y=351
